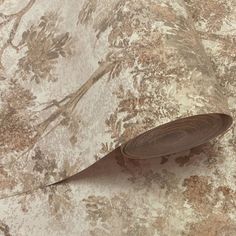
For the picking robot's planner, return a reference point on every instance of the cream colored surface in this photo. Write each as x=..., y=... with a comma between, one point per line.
x=80, y=79
x=189, y=193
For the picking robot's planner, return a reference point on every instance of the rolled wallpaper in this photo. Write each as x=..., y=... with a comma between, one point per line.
x=143, y=85
x=81, y=79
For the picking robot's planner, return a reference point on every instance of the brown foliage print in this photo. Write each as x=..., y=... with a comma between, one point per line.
x=44, y=45
x=42, y=163
x=209, y=17
x=215, y=23
x=60, y=201
x=211, y=12
x=148, y=52
x=16, y=129
x=86, y=13
x=204, y=197
x=102, y=212
x=5, y=20
x=213, y=225
x=4, y=229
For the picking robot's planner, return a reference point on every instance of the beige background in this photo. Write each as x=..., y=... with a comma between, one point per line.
x=192, y=193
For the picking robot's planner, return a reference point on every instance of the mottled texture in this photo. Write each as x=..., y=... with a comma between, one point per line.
x=118, y=196
x=80, y=79
x=191, y=193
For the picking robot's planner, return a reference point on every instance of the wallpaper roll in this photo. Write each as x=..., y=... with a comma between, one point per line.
x=191, y=193
x=81, y=79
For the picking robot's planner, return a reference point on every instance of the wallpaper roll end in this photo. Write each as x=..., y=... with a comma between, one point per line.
x=176, y=136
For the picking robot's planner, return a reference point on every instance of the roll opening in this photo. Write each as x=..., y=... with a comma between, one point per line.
x=176, y=136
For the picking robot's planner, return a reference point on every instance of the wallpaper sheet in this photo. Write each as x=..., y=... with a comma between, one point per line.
x=109, y=113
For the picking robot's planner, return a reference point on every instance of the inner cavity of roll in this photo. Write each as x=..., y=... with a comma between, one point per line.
x=176, y=136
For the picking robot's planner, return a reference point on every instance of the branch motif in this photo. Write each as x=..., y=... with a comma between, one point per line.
x=8, y=18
